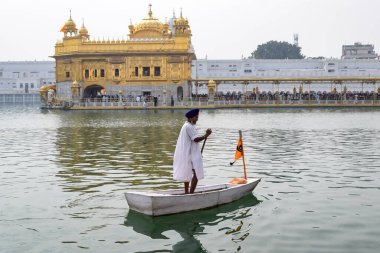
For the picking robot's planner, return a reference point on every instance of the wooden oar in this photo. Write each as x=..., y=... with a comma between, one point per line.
x=203, y=146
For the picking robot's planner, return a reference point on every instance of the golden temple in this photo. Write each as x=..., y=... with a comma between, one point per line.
x=156, y=58
x=156, y=61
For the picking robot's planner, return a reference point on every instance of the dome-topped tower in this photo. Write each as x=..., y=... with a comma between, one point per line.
x=69, y=28
x=181, y=20
x=150, y=27
x=83, y=32
x=181, y=26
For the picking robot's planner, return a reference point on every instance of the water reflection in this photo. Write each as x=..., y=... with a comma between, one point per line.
x=131, y=148
x=63, y=174
x=189, y=225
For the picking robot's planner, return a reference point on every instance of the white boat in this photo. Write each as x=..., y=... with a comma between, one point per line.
x=156, y=203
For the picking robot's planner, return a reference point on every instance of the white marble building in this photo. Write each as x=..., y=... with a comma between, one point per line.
x=302, y=68
x=25, y=77
x=359, y=51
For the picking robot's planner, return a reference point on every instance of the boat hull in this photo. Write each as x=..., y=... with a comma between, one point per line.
x=156, y=203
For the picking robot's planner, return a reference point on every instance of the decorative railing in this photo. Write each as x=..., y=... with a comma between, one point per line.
x=125, y=102
x=20, y=98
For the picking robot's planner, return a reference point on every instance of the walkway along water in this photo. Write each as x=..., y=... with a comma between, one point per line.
x=265, y=102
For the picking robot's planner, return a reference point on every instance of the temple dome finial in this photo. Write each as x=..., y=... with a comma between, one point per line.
x=150, y=14
x=83, y=30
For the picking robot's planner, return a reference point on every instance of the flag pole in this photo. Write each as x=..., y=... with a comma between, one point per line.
x=242, y=153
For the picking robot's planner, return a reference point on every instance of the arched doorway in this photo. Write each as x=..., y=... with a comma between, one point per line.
x=180, y=93
x=91, y=91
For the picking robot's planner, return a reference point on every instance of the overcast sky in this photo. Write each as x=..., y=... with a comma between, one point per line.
x=222, y=29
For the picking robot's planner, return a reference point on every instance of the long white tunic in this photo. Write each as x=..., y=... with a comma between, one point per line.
x=187, y=155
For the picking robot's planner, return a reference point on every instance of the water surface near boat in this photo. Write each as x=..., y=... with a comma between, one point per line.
x=63, y=175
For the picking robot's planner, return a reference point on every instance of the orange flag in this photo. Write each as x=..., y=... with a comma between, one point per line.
x=63, y=28
x=239, y=150
x=239, y=153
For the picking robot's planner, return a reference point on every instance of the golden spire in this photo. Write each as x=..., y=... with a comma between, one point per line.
x=181, y=22
x=150, y=14
x=83, y=31
x=83, y=24
x=131, y=27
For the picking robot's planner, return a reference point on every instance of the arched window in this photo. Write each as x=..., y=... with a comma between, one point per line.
x=117, y=72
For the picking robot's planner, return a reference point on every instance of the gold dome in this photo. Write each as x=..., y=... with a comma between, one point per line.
x=211, y=83
x=75, y=84
x=149, y=27
x=181, y=26
x=149, y=22
x=46, y=88
x=70, y=24
x=83, y=30
x=181, y=21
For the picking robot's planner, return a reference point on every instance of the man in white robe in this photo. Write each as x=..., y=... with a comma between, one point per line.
x=187, y=162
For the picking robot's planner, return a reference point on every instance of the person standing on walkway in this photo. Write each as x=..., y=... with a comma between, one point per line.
x=187, y=161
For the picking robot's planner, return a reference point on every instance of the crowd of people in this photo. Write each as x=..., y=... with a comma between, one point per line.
x=259, y=96
x=287, y=95
x=144, y=99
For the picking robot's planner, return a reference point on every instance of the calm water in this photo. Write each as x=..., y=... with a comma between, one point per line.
x=63, y=175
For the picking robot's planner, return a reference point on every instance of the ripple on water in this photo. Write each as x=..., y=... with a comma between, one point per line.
x=64, y=174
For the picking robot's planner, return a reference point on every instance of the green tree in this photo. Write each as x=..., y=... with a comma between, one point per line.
x=277, y=50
